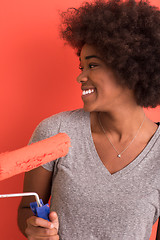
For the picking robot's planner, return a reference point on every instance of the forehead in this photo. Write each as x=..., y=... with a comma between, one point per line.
x=88, y=50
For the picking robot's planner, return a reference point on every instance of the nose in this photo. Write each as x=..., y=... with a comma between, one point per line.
x=82, y=77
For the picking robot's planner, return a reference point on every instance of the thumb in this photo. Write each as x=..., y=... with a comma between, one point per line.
x=54, y=219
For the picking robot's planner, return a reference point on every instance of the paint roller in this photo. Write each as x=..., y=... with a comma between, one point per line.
x=33, y=155
x=30, y=157
x=38, y=207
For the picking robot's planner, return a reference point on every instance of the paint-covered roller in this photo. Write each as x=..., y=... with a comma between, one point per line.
x=33, y=155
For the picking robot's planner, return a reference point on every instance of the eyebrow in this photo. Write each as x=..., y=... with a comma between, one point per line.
x=91, y=56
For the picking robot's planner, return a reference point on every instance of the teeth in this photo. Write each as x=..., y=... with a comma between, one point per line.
x=87, y=91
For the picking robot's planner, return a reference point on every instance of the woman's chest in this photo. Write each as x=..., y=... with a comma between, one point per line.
x=87, y=197
x=109, y=156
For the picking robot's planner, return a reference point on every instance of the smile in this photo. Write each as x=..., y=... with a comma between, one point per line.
x=88, y=91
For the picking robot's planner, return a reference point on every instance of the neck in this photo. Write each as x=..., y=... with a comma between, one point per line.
x=122, y=124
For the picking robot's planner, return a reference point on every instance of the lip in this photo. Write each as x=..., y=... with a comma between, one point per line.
x=87, y=88
x=88, y=95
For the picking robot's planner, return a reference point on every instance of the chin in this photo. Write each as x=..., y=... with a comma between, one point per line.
x=90, y=108
x=87, y=108
x=94, y=108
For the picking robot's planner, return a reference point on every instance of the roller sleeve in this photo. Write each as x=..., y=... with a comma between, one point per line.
x=33, y=155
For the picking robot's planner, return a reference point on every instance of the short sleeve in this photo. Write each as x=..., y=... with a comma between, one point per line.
x=45, y=129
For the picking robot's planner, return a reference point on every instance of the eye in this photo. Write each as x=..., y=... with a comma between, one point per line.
x=91, y=66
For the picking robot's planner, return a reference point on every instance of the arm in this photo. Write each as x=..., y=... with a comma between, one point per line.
x=37, y=180
x=158, y=231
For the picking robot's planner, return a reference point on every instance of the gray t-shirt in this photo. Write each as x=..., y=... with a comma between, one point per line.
x=91, y=203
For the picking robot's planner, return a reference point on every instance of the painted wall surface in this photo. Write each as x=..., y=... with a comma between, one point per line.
x=37, y=79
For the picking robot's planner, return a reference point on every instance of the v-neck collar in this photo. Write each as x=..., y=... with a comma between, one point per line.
x=99, y=164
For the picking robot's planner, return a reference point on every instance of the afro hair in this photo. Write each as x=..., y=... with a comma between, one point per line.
x=127, y=35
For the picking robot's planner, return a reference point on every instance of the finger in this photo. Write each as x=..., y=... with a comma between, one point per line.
x=39, y=222
x=33, y=231
x=54, y=219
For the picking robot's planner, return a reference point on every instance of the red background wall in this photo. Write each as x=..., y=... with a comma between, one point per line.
x=37, y=79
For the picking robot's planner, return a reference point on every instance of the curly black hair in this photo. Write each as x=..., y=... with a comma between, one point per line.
x=127, y=35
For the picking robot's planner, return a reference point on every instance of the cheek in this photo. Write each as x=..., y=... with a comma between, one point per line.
x=105, y=85
x=104, y=82
x=109, y=83
x=107, y=91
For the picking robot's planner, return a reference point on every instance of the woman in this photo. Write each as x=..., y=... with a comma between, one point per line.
x=108, y=186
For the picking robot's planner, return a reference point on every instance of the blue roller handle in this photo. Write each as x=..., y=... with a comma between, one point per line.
x=42, y=212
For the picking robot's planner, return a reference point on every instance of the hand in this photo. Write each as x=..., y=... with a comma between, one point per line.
x=39, y=228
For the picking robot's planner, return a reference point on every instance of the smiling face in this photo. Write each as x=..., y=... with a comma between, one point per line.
x=100, y=88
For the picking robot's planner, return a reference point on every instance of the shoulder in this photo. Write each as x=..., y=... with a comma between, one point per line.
x=52, y=125
x=63, y=116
